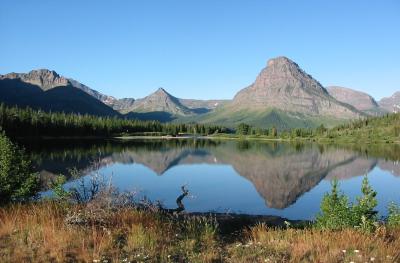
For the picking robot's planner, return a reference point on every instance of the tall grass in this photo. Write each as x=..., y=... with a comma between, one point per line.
x=39, y=232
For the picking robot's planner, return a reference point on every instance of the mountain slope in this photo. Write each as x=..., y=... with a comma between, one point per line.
x=46, y=90
x=116, y=104
x=160, y=101
x=202, y=106
x=360, y=100
x=392, y=103
x=284, y=88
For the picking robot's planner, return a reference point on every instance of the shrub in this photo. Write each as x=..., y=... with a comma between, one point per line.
x=393, y=219
x=335, y=210
x=364, y=215
x=17, y=182
x=337, y=213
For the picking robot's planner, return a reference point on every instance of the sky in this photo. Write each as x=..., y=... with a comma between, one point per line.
x=202, y=49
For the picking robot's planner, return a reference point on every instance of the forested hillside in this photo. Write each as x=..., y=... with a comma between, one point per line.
x=18, y=122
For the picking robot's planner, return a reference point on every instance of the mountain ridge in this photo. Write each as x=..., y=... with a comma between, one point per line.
x=282, y=95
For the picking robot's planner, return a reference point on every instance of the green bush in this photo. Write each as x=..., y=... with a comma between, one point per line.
x=364, y=215
x=335, y=210
x=393, y=219
x=17, y=182
x=337, y=213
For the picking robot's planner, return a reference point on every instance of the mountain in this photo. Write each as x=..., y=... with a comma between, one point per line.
x=159, y=105
x=283, y=95
x=116, y=104
x=202, y=106
x=392, y=103
x=359, y=100
x=49, y=91
x=160, y=101
x=43, y=78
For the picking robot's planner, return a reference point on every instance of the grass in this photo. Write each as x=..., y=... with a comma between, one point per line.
x=43, y=232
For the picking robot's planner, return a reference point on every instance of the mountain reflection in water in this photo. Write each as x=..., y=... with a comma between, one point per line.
x=280, y=172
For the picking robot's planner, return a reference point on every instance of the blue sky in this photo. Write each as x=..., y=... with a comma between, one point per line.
x=202, y=49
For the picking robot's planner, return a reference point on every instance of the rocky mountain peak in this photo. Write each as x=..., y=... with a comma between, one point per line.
x=283, y=85
x=44, y=78
x=160, y=101
x=283, y=72
x=161, y=92
x=392, y=103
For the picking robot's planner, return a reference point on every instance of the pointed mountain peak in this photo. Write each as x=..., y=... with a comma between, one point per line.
x=284, y=66
x=161, y=91
x=283, y=85
x=280, y=61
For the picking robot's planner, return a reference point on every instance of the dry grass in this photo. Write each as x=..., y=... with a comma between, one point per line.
x=38, y=233
x=311, y=245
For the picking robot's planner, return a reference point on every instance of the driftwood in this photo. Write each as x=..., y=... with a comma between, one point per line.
x=180, y=207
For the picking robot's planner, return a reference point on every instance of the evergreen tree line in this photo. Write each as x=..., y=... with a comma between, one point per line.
x=21, y=122
x=384, y=126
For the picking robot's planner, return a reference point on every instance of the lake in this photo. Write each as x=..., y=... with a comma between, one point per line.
x=263, y=178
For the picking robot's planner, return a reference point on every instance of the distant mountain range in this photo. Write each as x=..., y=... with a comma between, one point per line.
x=283, y=95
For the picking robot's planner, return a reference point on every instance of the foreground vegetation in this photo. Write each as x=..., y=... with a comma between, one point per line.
x=109, y=229
x=17, y=182
x=52, y=231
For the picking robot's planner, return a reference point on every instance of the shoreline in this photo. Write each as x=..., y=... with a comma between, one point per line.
x=242, y=138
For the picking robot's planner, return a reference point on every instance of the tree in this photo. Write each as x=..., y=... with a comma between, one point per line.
x=274, y=132
x=243, y=129
x=335, y=210
x=17, y=182
x=364, y=215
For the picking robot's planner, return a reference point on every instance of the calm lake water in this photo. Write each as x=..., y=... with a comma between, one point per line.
x=270, y=178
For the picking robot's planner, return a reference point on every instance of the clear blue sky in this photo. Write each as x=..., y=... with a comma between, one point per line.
x=202, y=49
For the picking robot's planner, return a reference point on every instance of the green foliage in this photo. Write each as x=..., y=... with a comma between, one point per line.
x=18, y=122
x=243, y=129
x=364, y=214
x=393, y=219
x=17, y=182
x=58, y=188
x=335, y=210
x=274, y=132
x=337, y=213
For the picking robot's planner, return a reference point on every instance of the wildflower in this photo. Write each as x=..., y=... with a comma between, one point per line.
x=96, y=260
x=372, y=259
x=344, y=250
x=356, y=251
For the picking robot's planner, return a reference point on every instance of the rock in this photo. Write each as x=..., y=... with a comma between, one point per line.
x=285, y=86
x=392, y=103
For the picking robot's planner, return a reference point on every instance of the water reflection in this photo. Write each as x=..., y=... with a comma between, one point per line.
x=280, y=172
